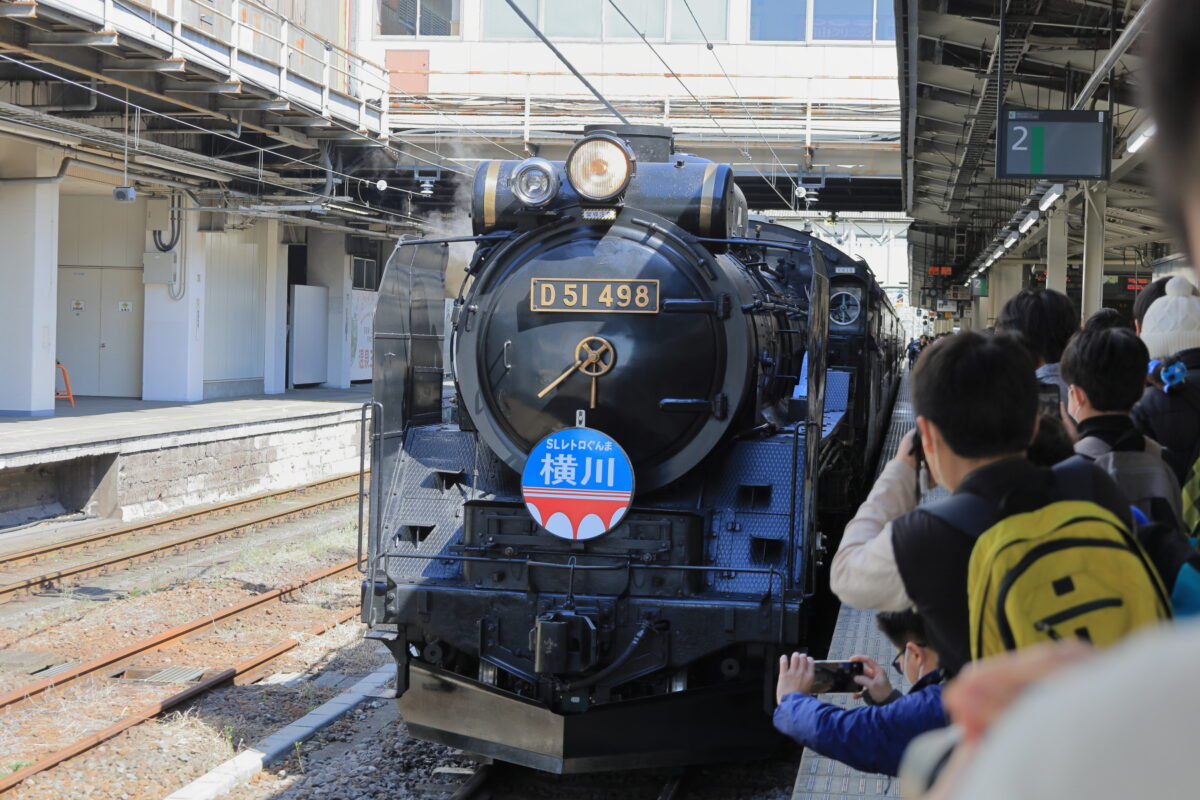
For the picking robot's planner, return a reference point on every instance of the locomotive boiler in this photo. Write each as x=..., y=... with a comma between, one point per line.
x=613, y=299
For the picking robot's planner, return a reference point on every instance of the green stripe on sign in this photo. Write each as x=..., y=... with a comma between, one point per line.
x=1037, y=149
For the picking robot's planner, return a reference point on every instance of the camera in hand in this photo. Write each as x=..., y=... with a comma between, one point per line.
x=836, y=676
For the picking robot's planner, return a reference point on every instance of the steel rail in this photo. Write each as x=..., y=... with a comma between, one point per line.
x=8, y=559
x=114, y=659
x=236, y=673
x=7, y=591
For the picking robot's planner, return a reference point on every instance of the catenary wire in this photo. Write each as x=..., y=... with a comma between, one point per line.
x=712, y=49
x=383, y=212
x=218, y=134
x=697, y=100
x=460, y=125
x=208, y=57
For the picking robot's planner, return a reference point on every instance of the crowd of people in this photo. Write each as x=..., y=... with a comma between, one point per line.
x=1041, y=610
x=1071, y=456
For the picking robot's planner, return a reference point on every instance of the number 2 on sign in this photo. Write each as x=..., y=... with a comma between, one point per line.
x=1019, y=144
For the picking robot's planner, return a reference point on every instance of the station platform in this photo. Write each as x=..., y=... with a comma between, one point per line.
x=821, y=778
x=128, y=459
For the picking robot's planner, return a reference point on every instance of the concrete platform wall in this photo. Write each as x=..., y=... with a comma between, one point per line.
x=161, y=481
x=140, y=477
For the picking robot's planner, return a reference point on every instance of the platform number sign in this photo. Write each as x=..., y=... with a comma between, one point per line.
x=1059, y=145
x=577, y=483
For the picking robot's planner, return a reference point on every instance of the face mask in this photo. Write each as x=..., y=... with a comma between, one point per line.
x=1070, y=414
x=920, y=670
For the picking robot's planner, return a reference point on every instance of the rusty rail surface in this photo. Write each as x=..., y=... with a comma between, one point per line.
x=8, y=559
x=7, y=591
x=234, y=673
x=114, y=659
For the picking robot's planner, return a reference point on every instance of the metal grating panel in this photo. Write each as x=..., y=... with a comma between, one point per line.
x=174, y=675
x=766, y=462
x=837, y=389
x=57, y=669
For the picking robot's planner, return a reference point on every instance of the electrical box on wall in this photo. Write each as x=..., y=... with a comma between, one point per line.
x=160, y=267
x=158, y=215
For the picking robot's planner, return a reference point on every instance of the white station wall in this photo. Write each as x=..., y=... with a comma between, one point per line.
x=97, y=231
x=234, y=312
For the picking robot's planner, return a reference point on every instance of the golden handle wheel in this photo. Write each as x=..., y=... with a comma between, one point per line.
x=591, y=353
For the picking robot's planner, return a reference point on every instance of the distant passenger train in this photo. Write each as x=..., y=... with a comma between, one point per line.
x=616, y=295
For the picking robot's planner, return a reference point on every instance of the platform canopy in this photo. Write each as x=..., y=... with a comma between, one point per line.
x=1058, y=55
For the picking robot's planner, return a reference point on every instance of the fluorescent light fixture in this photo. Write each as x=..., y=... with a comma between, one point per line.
x=996, y=256
x=349, y=210
x=1030, y=220
x=1012, y=239
x=1049, y=198
x=1139, y=138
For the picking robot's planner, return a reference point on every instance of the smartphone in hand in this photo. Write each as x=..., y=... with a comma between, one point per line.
x=836, y=676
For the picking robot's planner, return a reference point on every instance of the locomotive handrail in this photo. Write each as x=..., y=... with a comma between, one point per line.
x=625, y=563
x=774, y=244
x=453, y=239
x=628, y=564
x=362, y=457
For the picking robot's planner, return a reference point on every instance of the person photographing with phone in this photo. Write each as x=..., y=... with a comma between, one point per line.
x=870, y=738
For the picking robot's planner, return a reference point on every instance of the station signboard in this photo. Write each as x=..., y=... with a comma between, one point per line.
x=1059, y=145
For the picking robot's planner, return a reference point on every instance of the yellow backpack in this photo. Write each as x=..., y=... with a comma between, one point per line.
x=1068, y=569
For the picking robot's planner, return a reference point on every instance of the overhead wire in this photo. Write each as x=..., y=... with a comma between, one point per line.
x=672, y=73
x=219, y=134
x=208, y=56
x=460, y=125
x=264, y=181
x=712, y=49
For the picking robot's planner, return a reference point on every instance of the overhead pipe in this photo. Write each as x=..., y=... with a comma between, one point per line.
x=303, y=221
x=1119, y=48
x=93, y=101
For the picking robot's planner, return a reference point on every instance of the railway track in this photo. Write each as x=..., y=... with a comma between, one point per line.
x=113, y=663
x=158, y=549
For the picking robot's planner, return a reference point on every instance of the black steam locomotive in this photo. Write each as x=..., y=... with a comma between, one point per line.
x=616, y=292
x=866, y=342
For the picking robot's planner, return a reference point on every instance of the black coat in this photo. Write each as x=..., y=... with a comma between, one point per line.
x=1173, y=418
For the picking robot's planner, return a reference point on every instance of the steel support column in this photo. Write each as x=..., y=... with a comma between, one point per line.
x=1056, y=250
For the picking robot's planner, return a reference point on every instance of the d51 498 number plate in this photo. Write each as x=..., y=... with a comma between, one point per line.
x=593, y=294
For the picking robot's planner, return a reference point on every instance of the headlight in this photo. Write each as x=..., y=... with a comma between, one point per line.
x=534, y=182
x=599, y=167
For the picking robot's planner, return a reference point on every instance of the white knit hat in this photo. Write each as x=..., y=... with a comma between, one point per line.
x=1173, y=321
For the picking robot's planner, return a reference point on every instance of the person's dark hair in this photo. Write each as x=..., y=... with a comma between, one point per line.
x=902, y=627
x=1146, y=297
x=1109, y=365
x=1107, y=318
x=980, y=391
x=1172, y=64
x=1044, y=318
x=1051, y=444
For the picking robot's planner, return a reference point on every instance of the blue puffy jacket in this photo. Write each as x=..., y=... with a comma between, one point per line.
x=868, y=738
